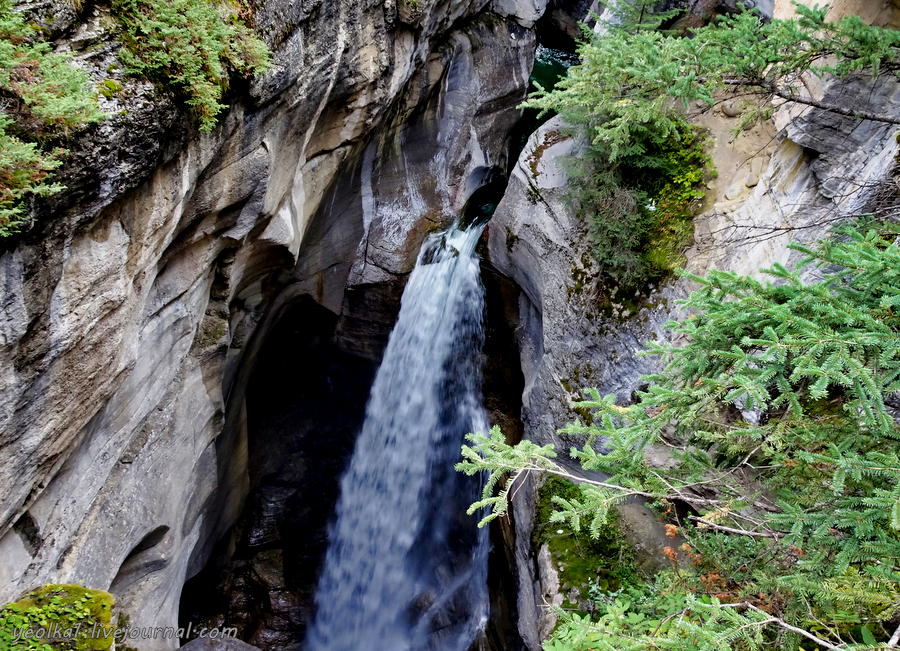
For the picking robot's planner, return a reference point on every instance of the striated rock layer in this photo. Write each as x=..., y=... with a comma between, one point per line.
x=130, y=319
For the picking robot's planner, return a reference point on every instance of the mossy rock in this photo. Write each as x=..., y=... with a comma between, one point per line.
x=606, y=561
x=110, y=87
x=58, y=618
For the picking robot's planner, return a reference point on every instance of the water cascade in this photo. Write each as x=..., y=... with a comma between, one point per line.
x=405, y=568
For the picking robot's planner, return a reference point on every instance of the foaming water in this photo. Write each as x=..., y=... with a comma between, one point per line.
x=405, y=567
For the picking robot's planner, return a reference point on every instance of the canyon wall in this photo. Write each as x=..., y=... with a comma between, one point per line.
x=132, y=313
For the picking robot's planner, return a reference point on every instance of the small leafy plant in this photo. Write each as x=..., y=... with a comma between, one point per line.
x=58, y=618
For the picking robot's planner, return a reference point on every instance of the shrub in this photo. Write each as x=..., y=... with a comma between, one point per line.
x=45, y=97
x=640, y=208
x=192, y=44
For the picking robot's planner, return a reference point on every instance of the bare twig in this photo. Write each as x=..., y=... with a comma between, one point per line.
x=851, y=113
x=740, y=532
x=895, y=638
x=771, y=619
x=772, y=88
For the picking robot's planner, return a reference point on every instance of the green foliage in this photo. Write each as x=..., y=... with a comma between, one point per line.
x=774, y=412
x=630, y=77
x=62, y=617
x=594, y=558
x=640, y=208
x=635, y=15
x=45, y=96
x=622, y=94
x=192, y=44
x=493, y=452
x=616, y=218
x=23, y=171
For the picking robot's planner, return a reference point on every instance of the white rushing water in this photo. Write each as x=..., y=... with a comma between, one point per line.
x=405, y=568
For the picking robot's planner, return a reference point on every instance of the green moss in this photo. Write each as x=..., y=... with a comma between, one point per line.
x=606, y=561
x=584, y=414
x=580, y=278
x=62, y=616
x=640, y=210
x=124, y=625
x=622, y=303
x=212, y=330
x=532, y=194
x=110, y=87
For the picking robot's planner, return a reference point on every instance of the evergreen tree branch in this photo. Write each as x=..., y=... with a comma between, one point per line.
x=780, y=91
x=815, y=475
x=832, y=108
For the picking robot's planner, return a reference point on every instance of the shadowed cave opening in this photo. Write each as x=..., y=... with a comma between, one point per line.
x=305, y=404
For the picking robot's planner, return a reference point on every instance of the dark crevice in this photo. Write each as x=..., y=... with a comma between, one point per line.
x=305, y=404
x=29, y=532
x=503, y=387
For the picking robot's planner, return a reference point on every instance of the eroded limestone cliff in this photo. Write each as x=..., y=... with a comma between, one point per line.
x=132, y=314
x=132, y=317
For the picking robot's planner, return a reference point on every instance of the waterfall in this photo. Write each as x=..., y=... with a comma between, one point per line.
x=405, y=567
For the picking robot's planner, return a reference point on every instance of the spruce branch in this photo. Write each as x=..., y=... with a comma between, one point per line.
x=814, y=473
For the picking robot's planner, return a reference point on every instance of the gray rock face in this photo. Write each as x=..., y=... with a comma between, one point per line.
x=563, y=17
x=130, y=323
x=569, y=335
x=825, y=169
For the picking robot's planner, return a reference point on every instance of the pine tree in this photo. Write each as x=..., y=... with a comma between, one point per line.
x=781, y=441
x=630, y=77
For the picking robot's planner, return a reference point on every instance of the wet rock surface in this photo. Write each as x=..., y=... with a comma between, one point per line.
x=218, y=645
